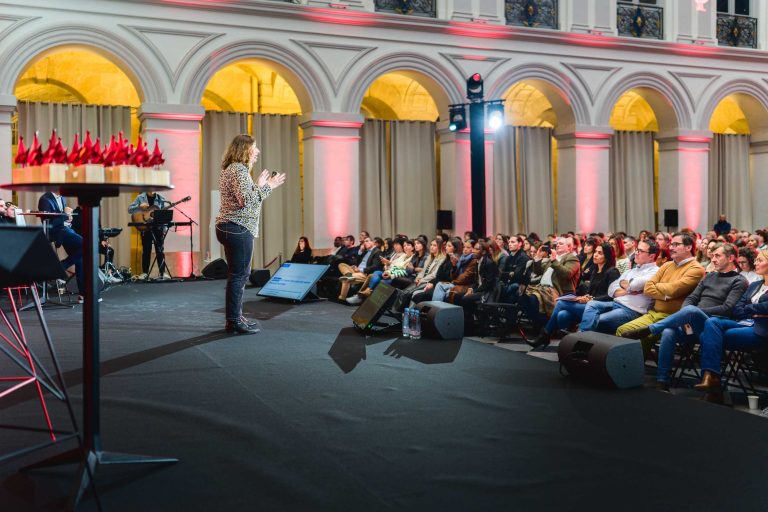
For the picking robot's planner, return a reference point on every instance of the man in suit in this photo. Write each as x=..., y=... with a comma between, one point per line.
x=61, y=233
x=370, y=262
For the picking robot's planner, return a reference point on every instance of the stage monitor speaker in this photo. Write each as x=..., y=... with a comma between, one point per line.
x=27, y=257
x=441, y=320
x=670, y=218
x=217, y=269
x=602, y=359
x=444, y=219
x=259, y=277
x=366, y=316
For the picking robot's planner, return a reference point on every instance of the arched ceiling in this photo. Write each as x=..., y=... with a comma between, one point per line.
x=399, y=96
x=526, y=105
x=729, y=117
x=250, y=86
x=77, y=75
x=632, y=112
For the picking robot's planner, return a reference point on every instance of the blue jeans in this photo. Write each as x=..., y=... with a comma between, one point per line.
x=73, y=244
x=376, y=279
x=238, y=249
x=605, y=317
x=720, y=333
x=672, y=332
x=510, y=293
x=441, y=291
x=566, y=313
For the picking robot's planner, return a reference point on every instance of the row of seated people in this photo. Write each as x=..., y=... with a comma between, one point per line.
x=662, y=291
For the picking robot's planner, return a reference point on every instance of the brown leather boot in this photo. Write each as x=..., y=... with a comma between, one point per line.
x=710, y=382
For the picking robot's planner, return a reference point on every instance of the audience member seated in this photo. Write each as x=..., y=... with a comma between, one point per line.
x=630, y=245
x=664, y=257
x=569, y=310
x=622, y=262
x=487, y=279
x=715, y=295
x=499, y=249
x=435, y=270
x=61, y=233
x=629, y=299
x=514, y=273
x=586, y=263
x=670, y=286
x=722, y=226
x=662, y=240
x=464, y=276
x=453, y=250
x=7, y=213
x=746, y=263
x=746, y=330
x=559, y=276
x=397, y=266
x=369, y=263
x=303, y=252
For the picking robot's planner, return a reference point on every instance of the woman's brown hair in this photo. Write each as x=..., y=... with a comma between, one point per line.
x=237, y=152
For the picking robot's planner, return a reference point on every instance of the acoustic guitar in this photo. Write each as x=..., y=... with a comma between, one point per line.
x=146, y=216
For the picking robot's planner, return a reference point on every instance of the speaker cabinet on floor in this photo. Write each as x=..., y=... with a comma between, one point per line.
x=440, y=320
x=259, y=277
x=217, y=269
x=602, y=359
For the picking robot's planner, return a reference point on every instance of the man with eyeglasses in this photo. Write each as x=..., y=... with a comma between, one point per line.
x=629, y=301
x=715, y=295
x=673, y=282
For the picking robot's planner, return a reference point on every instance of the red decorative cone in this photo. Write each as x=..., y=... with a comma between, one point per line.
x=21, y=153
x=75, y=151
x=157, y=159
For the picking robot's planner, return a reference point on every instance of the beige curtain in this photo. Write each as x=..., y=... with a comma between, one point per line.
x=414, y=184
x=218, y=130
x=505, y=183
x=375, y=188
x=534, y=162
x=277, y=136
x=730, y=180
x=102, y=121
x=631, y=181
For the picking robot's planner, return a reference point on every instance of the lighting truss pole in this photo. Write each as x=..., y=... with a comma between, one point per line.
x=458, y=122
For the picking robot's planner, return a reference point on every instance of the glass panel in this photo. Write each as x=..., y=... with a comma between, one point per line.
x=742, y=7
x=722, y=5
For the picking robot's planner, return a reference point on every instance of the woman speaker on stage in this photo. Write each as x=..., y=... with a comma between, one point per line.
x=238, y=221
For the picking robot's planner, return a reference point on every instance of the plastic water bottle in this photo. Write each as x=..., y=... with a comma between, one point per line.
x=407, y=323
x=415, y=325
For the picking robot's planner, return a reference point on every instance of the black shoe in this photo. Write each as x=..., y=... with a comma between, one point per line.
x=662, y=386
x=541, y=341
x=637, y=334
x=240, y=328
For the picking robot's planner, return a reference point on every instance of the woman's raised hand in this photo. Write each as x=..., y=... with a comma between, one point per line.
x=263, y=178
x=276, y=180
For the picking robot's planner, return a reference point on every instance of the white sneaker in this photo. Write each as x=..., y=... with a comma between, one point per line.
x=355, y=300
x=114, y=279
x=142, y=277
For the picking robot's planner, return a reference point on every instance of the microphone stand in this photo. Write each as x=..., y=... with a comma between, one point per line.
x=191, y=243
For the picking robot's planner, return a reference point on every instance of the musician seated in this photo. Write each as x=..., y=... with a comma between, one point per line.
x=145, y=203
x=60, y=232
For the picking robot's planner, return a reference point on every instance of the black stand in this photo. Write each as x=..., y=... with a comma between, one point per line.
x=191, y=244
x=92, y=454
x=154, y=229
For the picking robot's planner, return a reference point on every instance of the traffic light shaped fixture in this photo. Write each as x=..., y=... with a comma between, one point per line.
x=475, y=87
x=458, y=118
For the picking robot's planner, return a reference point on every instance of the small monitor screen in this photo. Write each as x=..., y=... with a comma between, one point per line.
x=293, y=281
x=374, y=306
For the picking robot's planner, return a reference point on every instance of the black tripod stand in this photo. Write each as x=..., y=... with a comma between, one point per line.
x=191, y=242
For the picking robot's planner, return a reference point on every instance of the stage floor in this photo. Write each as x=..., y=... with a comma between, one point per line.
x=307, y=415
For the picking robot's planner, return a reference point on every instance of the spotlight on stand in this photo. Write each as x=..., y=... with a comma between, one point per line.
x=495, y=115
x=475, y=87
x=458, y=118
